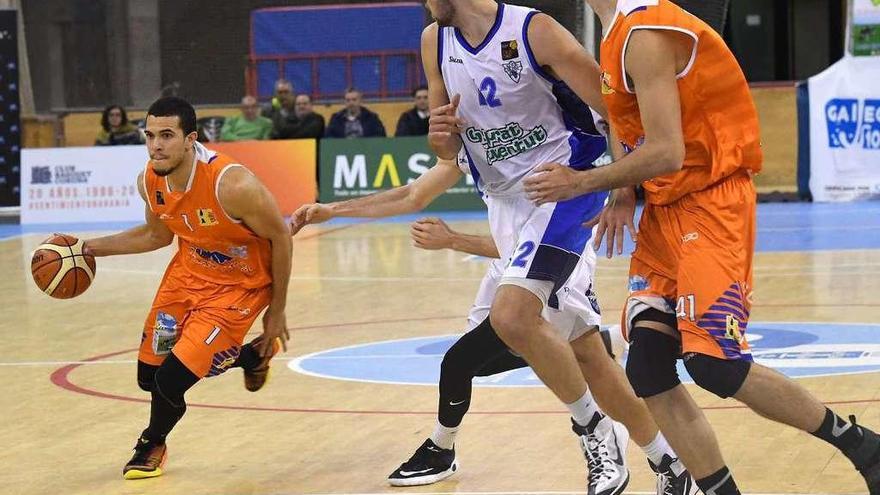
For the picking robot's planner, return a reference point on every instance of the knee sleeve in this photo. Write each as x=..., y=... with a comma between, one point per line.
x=462, y=362
x=650, y=366
x=722, y=377
x=146, y=376
x=172, y=380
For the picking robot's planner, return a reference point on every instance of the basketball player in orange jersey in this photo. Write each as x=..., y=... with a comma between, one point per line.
x=680, y=105
x=233, y=261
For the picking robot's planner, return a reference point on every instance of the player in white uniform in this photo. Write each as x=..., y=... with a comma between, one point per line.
x=481, y=353
x=494, y=77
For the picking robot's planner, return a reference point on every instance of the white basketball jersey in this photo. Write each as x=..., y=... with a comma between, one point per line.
x=518, y=116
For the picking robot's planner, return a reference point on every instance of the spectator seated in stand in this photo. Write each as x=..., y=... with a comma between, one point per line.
x=250, y=125
x=414, y=122
x=355, y=120
x=116, y=129
x=303, y=123
x=282, y=100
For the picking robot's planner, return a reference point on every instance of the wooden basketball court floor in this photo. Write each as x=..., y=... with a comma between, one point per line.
x=72, y=411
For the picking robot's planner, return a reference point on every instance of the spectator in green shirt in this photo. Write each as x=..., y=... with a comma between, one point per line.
x=249, y=125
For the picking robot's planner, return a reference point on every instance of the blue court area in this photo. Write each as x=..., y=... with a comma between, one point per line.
x=797, y=349
x=781, y=226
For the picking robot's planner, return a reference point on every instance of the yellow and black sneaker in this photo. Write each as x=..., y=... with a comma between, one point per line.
x=147, y=461
x=256, y=377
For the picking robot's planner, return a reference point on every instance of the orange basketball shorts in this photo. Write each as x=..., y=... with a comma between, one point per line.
x=203, y=323
x=694, y=259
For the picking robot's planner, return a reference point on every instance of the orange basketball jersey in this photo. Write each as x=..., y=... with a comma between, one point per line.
x=718, y=116
x=212, y=245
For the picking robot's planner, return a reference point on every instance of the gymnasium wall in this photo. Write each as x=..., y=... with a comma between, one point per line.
x=776, y=109
x=224, y=34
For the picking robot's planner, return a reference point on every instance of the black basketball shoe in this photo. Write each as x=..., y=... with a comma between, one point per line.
x=429, y=464
x=673, y=478
x=866, y=457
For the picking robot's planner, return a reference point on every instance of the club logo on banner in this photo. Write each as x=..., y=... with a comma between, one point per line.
x=853, y=123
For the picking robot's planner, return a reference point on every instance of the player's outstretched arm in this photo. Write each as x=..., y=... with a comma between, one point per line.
x=410, y=198
x=652, y=61
x=245, y=198
x=433, y=233
x=557, y=49
x=150, y=236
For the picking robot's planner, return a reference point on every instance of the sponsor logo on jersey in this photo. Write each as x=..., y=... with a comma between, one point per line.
x=160, y=200
x=215, y=256
x=509, y=50
x=638, y=283
x=853, y=123
x=206, y=217
x=606, y=84
x=239, y=251
x=453, y=60
x=504, y=143
x=732, y=331
x=690, y=236
x=513, y=69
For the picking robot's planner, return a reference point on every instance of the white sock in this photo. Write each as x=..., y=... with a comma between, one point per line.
x=444, y=437
x=657, y=448
x=583, y=409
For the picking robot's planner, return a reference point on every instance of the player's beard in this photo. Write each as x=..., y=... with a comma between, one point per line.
x=168, y=171
x=443, y=13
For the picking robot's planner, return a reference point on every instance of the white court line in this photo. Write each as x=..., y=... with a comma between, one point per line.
x=282, y=358
x=536, y=492
x=65, y=363
x=763, y=272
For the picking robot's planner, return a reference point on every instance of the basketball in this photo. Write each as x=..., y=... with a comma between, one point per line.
x=60, y=269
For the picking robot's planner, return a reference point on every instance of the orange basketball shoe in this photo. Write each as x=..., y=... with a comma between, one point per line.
x=255, y=378
x=147, y=461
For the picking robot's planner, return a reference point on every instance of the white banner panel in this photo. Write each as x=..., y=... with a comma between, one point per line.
x=845, y=131
x=66, y=185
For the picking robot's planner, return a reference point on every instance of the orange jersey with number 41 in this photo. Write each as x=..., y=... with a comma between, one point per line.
x=718, y=116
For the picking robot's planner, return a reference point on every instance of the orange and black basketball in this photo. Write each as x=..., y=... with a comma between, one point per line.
x=60, y=268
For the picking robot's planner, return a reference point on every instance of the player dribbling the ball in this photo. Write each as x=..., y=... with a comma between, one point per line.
x=233, y=261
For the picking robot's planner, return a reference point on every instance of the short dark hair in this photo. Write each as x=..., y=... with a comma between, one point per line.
x=420, y=88
x=105, y=117
x=172, y=106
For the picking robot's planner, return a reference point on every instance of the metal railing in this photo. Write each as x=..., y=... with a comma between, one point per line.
x=412, y=71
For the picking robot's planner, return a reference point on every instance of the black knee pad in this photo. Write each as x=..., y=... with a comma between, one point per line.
x=722, y=377
x=173, y=379
x=146, y=376
x=650, y=366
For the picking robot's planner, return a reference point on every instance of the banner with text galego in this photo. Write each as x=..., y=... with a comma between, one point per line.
x=844, y=129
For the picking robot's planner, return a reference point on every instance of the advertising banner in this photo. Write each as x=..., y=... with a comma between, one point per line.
x=865, y=27
x=844, y=131
x=350, y=168
x=68, y=185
